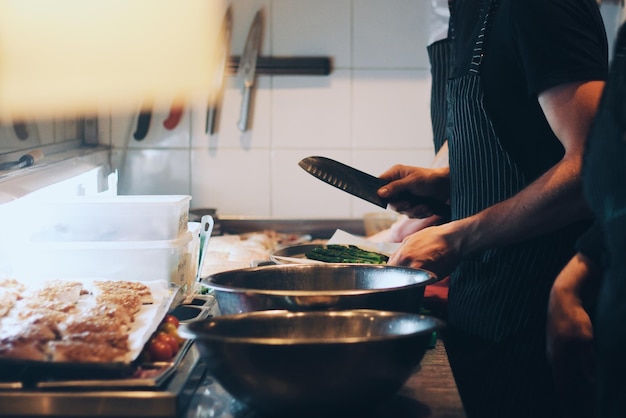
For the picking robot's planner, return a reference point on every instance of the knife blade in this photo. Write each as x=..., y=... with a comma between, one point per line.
x=247, y=67
x=218, y=89
x=363, y=185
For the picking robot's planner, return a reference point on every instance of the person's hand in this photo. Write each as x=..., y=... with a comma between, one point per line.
x=416, y=181
x=434, y=249
x=570, y=339
x=403, y=227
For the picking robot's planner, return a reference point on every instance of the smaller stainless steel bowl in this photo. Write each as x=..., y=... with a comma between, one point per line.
x=307, y=287
x=313, y=363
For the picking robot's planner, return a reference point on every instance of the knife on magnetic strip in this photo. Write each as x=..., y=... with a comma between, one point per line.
x=363, y=185
x=247, y=67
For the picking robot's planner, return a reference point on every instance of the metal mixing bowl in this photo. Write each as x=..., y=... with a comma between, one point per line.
x=312, y=363
x=306, y=287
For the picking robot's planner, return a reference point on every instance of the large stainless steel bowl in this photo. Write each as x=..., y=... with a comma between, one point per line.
x=305, y=287
x=313, y=363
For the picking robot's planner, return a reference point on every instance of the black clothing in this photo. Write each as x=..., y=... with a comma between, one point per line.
x=591, y=244
x=497, y=282
x=505, y=379
x=535, y=45
x=604, y=181
x=497, y=299
x=440, y=56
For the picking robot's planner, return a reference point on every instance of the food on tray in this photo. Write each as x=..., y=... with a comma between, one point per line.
x=80, y=351
x=115, y=287
x=164, y=343
x=335, y=253
x=69, y=320
x=229, y=252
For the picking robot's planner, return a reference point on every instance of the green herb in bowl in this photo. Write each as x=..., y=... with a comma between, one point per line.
x=335, y=253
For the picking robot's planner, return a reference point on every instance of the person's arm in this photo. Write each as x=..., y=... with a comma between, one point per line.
x=552, y=201
x=570, y=335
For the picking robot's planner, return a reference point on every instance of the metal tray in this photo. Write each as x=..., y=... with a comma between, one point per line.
x=92, y=376
x=29, y=373
x=168, y=400
x=145, y=376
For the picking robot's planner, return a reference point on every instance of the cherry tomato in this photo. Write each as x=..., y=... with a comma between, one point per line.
x=169, y=340
x=171, y=329
x=171, y=319
x=159, y=350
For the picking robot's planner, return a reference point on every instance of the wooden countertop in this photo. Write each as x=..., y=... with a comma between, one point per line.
x=429, y=392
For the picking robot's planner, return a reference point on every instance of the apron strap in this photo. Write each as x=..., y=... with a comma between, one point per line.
x=479, y=47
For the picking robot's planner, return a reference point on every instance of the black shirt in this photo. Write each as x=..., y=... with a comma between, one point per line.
x=524, y=56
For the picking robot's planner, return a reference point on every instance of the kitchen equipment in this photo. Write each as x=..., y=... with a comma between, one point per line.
x=207, y=224
x=31, y=370
x=105, y=218
x=309, y=363
x=143, y=121
x=328, y=286
x=20, y=130
x=363, y=185
x=155, y=260
x=295, y=254
x=25, y=160
x=175, y=115
x=217, y=92
x=288, y=65
x=247, y=68
x=155, y=389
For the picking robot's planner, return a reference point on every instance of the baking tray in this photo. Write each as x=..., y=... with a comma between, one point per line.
x=169, y=400
x=145, y=376
x=29, y=373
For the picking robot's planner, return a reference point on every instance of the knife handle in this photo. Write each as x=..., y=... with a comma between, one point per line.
x=143, y=123
x=245, y=109
x=20, y=130
x=176, y=113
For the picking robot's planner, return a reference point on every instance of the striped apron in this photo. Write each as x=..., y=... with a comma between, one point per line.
x=498, y=298
x=439, y=55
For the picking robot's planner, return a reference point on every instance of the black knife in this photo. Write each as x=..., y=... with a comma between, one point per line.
x=364, y=185
x=247, y=67
x=217, y=92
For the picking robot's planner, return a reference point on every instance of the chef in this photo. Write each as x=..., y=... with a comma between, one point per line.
x=525, y=86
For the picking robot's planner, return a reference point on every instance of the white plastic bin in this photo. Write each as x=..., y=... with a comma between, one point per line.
x=123, y=260
x=106, y=218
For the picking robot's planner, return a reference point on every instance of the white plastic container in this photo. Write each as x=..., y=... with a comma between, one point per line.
x=168, y=260
x=106, y=218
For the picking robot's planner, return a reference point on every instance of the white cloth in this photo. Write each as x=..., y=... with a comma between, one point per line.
x=438, y=21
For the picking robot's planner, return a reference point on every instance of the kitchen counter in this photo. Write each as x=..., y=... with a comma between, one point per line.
x=430, y=392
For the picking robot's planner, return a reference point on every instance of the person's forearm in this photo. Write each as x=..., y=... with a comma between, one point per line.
x=579, y=274
x=551, y=202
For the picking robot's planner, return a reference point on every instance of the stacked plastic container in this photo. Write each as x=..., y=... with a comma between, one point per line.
x=114, y=237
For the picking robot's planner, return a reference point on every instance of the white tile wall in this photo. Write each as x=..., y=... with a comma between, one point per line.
x=371, y=111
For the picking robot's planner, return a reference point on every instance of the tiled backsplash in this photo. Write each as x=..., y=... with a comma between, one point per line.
x=372, y=111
